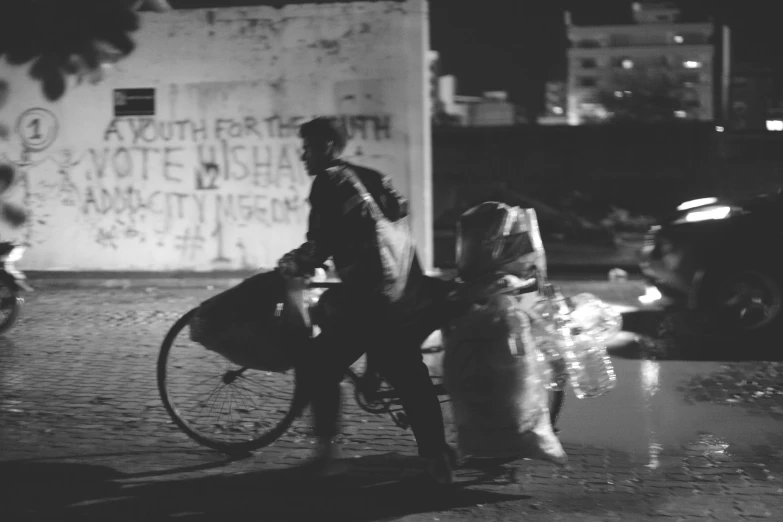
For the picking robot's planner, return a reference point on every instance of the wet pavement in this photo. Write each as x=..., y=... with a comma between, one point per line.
x=691, y=432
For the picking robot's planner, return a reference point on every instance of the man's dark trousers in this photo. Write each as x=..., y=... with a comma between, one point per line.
x=357, y=324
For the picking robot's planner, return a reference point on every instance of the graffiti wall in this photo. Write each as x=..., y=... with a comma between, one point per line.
x=189, y=159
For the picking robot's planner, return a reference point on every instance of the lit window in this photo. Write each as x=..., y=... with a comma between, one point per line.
x=618, y=94
x=692, y=64
x=627, y=64
x=719, y=128
x=680, y=114
x=678, y=39
x=557, y=110
x=775, y=125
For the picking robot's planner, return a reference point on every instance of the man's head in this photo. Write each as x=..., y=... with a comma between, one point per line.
x=322, y=143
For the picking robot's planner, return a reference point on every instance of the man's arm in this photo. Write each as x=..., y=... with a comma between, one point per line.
x=319, y=246
x=395, y=203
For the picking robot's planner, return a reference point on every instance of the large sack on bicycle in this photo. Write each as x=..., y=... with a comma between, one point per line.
x=491, y=371
x=260, y=323
x=497, y=238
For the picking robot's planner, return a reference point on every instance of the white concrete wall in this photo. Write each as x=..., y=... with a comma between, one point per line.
x=232, y=85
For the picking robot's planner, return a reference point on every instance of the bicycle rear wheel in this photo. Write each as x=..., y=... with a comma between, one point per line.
x=219, y=404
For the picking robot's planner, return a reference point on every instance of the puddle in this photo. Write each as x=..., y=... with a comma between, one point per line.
x=648, y=413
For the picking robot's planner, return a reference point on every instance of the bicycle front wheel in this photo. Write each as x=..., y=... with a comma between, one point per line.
x=219, y=404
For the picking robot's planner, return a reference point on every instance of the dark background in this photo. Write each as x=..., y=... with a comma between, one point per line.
x=517, y=45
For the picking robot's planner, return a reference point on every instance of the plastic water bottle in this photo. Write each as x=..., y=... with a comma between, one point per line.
x=593, y=322
x=593, y=373
x=545, y=334
x=554, y=373
x=594, y=317
x=580, y=339
x=544, y=369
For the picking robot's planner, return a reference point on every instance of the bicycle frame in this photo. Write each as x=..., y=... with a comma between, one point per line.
x=386, y=400
x=381, y=400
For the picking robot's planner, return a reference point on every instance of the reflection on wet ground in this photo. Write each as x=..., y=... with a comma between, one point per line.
x=682, y=390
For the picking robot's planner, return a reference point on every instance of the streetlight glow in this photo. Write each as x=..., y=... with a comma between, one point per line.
x=775, y=125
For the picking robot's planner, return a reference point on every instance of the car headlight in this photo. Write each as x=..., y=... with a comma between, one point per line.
x=694, y=203
x=706, y=214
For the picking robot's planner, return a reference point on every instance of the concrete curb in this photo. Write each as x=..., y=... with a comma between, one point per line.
x=107, y=284
x=124, y=280
x=227, y=279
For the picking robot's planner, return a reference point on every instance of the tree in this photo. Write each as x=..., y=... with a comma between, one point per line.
x=62, y=38
x=646, y=95
x=68, y=37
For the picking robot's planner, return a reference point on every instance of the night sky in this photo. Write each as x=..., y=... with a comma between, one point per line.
x=516, y=45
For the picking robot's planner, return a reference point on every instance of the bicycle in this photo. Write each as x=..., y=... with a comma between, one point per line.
x=266, y=422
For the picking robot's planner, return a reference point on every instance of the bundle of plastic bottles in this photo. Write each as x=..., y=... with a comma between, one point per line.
x=571, y=335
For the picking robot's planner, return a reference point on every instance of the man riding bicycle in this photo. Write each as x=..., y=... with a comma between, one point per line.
x=341, y=227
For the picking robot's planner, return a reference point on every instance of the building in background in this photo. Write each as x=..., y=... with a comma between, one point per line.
x=555, y=103
x=447, y=94
x=457, y=108
x=491, y=109
x=753, y=98
x=494, y=110
x=435, y=104
x=686, y=60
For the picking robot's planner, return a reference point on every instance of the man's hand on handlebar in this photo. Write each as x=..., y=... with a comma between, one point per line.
x=288, y=267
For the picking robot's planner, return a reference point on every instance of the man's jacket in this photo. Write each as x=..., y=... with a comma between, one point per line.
x=340, y=225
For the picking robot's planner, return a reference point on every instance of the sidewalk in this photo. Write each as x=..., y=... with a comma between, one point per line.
x=113, y=279
x=85, y=437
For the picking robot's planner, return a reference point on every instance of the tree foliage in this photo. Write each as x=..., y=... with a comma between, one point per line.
x=68, y=37
x=642, y=96
x=61, y=38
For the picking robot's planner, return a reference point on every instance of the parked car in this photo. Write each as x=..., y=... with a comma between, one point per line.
x=723, y=258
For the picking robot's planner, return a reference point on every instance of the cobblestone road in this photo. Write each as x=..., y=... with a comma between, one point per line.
x=84, y=436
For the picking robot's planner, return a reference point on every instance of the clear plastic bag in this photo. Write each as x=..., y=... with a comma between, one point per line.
x=493, y=375
x=595, y=318
x=572, y=334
